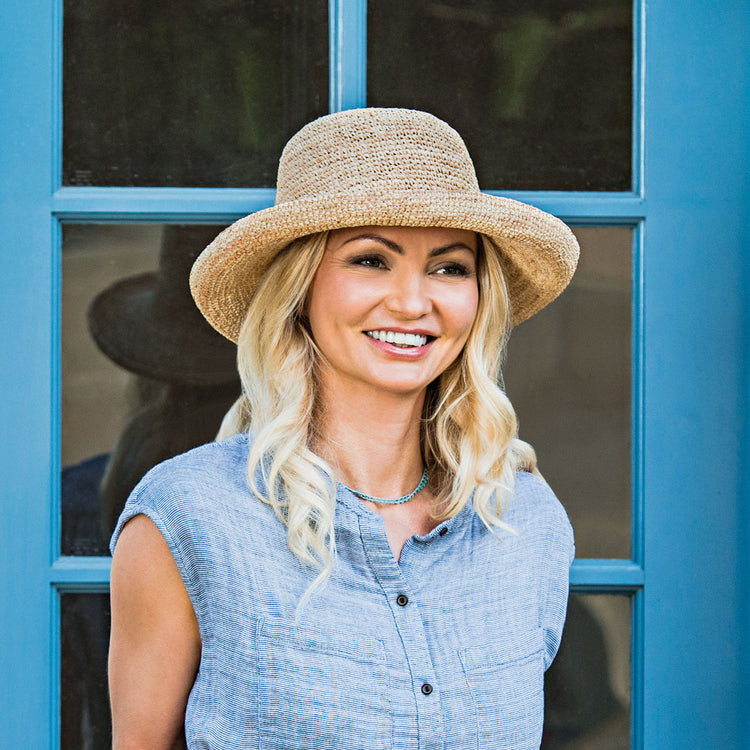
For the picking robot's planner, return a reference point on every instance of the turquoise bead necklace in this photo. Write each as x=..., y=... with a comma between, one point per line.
x=395, y=500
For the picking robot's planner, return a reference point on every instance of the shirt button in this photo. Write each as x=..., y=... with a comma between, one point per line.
x=443, y=531
x=426, y=688
x=402, y=600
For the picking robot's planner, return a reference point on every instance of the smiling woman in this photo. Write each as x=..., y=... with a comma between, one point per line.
x=368, y=556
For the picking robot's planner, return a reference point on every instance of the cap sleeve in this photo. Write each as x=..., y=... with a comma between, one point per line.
x=557, y=558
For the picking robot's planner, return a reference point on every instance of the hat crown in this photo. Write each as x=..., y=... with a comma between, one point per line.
x=374, y=151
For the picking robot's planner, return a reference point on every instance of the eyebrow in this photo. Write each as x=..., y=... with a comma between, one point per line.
x=396, y=248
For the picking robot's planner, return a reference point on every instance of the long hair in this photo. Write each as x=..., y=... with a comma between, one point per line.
x=468, y=432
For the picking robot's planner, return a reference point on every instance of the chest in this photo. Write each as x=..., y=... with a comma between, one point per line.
x=443, y=650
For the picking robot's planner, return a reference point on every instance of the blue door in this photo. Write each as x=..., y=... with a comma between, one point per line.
x=629, y=121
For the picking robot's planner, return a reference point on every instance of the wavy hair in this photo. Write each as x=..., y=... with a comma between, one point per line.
x=468, y=433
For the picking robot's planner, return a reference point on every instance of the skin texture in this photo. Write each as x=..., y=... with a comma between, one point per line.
x=154, y=644
x=371, y=397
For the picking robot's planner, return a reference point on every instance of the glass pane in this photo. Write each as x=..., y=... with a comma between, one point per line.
x=144, y=377
x=84, y=706
x=568, y=376
x=203, y=94
x=541, y=90
x=587, y=688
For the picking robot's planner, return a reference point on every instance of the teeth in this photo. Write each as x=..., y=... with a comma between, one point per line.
x=399, y=339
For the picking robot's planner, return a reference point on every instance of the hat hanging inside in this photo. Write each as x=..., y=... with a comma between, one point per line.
x=150, y=325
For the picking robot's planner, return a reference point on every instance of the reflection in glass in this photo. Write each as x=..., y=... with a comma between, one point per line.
x=541, y=90
x=203, y=94
x=144, y=376
x=568, y=376
x=587, y=688
x=84, y=709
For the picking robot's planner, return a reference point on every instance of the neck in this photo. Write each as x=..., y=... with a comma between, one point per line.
x=371, y=440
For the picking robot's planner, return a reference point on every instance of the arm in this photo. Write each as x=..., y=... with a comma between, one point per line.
x=154, y=645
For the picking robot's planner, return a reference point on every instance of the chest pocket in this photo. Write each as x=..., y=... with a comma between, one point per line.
x=507, y=687
x=319, y=690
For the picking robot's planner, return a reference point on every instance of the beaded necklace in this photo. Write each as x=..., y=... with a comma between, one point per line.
x=395, y=500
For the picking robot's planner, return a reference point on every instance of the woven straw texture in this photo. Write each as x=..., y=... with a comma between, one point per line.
x=381, y=167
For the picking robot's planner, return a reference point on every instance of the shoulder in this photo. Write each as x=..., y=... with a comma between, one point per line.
x=533, y=496
x=196, y=487
x=209, y=464
x=535, y=511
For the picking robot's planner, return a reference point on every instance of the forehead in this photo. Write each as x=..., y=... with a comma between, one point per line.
x=429, y=237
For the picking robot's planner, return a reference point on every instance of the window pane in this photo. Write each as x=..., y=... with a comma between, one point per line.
x=144, y=377
x=203, y=94
x=84, y=704
x=587, y=688
x=568, y=376
x=541, y=90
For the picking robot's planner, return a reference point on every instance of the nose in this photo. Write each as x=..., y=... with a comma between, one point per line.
x=408, y=295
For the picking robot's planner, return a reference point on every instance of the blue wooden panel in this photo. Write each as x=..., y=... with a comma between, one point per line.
x=226, y=204
x=207, y=205
x=347, y=29
x=606, y=576
x=639, y=102
x=27, y=439
x=696, y=187
x=80, y=574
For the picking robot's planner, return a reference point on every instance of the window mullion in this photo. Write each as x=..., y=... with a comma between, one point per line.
x=347, y=20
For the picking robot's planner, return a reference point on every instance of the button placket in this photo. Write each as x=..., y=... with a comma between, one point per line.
x=410, y=626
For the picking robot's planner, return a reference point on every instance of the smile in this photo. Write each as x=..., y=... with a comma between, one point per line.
x=398, y=338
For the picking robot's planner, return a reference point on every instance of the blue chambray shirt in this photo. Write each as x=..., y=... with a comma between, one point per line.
x=444, y=650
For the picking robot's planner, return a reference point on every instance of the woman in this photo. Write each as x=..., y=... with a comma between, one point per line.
x=368, y=562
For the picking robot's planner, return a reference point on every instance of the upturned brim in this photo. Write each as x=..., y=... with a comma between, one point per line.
x=538, y=252
x=174, y=349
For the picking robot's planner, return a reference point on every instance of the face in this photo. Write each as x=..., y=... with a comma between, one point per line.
x=391, y=308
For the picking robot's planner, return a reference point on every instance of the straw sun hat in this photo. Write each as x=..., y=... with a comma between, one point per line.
x=381, y=167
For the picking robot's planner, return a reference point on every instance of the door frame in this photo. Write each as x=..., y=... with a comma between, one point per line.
x=689, y=572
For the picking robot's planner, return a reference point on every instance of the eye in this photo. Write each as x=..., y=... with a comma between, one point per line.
x=453, y=269
x=368, y=261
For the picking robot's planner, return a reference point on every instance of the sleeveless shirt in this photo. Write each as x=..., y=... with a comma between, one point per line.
x=445, y=649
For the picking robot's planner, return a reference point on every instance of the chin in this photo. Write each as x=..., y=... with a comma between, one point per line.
x=401, y=388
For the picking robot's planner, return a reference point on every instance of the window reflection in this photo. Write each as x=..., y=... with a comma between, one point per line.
x=587, y=688
x=541, y=89
x=568, y=376
x=144, y=376
x=84, y=711
x=198, y=94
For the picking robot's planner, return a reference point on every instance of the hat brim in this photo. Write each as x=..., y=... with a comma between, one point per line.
x=126, y=328
x=538, y=252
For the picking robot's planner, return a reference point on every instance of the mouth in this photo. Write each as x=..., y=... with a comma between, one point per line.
x=400, y=339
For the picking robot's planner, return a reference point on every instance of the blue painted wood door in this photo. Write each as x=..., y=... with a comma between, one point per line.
x=688, y=572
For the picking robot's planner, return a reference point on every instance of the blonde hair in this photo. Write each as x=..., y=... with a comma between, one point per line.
x=469, y=427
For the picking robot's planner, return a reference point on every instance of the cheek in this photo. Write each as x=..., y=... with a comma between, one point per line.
x=339, y=299
x=464, y=312
x=333, y=305
x=321, y=299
